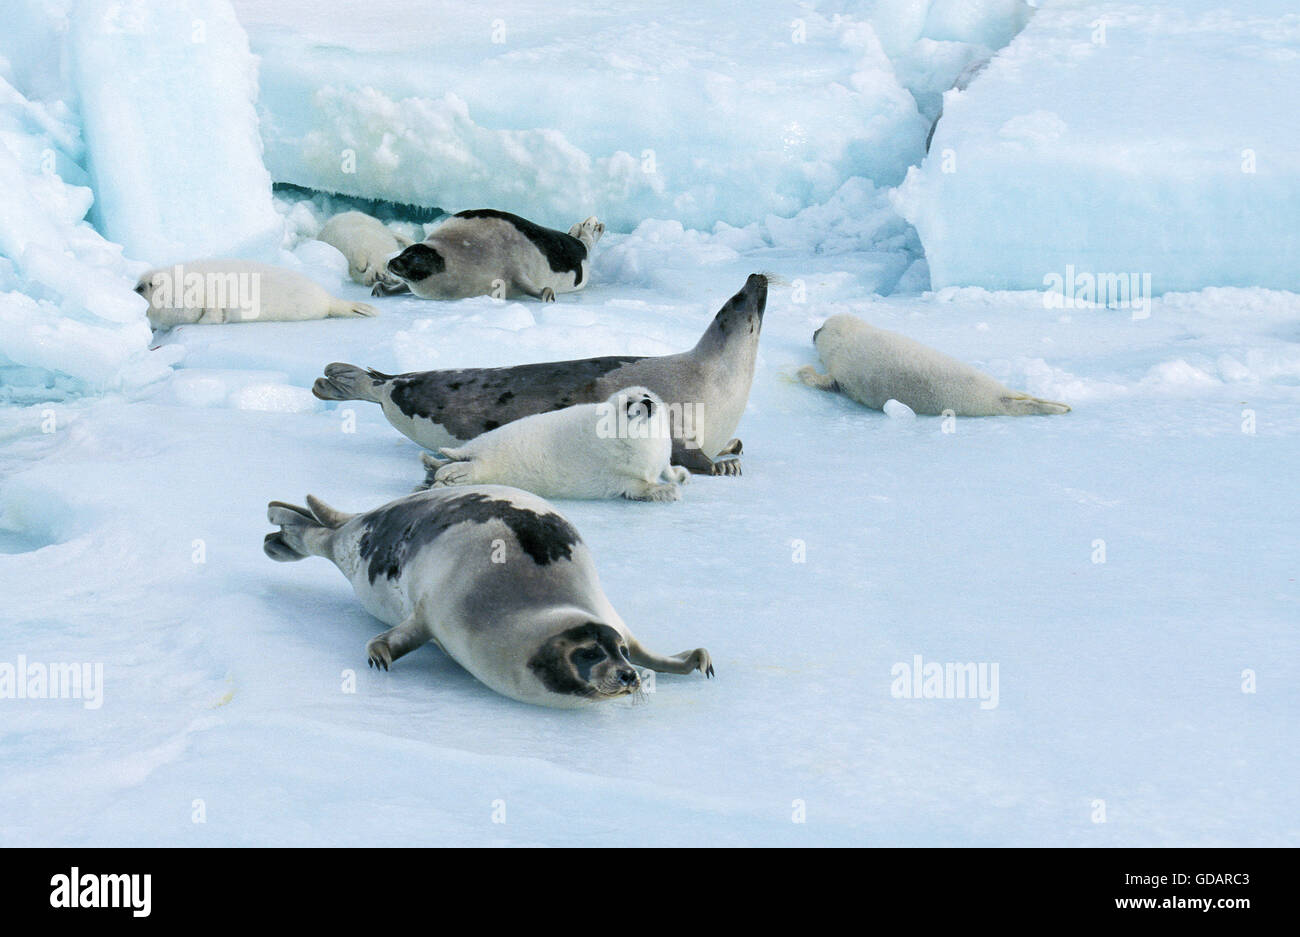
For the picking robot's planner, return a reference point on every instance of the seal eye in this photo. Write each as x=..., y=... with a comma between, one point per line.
x=591, y=654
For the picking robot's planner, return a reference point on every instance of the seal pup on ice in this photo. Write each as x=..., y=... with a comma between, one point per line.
x=485, y=252
x=494, y=576
x=705, y=390
x=872, y=366
x=366, y=242
x=620, y=448
x=217, y=291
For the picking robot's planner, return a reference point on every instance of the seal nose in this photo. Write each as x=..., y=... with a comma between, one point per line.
x=628, y=677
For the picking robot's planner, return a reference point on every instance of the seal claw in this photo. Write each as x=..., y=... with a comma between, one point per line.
x=378, y=654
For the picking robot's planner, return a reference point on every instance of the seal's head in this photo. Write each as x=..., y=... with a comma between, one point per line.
x=742, y=316
x=833, y=331
x=149, y=286
x=148, y=283
x=586, y=662
x=639, y=405
x=416, y=264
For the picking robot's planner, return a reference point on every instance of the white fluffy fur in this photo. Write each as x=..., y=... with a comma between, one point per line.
x=873, y=365
x=365, y=241
x=572, y=453
x=282, y=295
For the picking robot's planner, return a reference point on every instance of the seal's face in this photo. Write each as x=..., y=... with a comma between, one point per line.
x=144, y=287
x=832, y=332
x=641, y=406
x=417, y=263
x=587, y=661
x=647, y=417
x=743, y=313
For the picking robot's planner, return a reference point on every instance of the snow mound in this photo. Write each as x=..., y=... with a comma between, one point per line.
x=1051, y=161
x=69, y=320
x=633, y=110
x=167, y=96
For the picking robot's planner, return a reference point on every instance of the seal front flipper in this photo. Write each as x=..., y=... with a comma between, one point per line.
x=388, y=288
x=526, y=286
x=675, y=473
x=698, y=463
x=685, y=662
x=431, y=465
x=649, y=491
x=808, y=374
x=397, y=642
x=449, y=467
x=734, y=447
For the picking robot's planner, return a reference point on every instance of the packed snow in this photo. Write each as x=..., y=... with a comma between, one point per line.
x=1147, y=137
x=701, y=113
x=1121, y=577
x=174, y=180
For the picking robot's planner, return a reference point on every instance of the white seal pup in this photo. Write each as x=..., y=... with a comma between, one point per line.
x=494, y=576
x=873, y=365
x=485, y=252
x=705, y=390
x=620, y=448
x=366, y=242
x=216, y=291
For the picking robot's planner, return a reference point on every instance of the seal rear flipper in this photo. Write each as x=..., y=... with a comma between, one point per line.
x=349, y=382
x=326, y=515
x=301, y=534
x=277, y=548
x=1025, y=405
x=342, y=309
